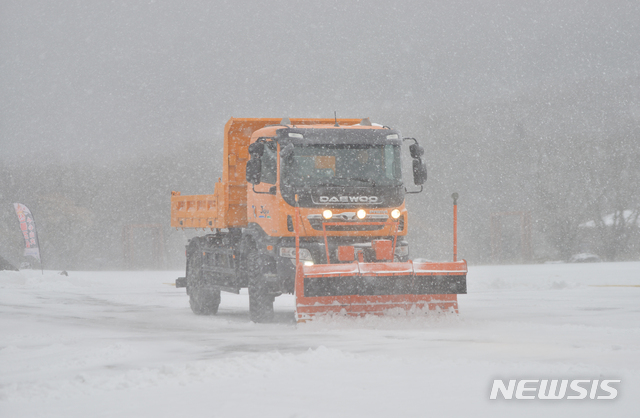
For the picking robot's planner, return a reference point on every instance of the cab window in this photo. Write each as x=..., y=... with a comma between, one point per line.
x=269, y=163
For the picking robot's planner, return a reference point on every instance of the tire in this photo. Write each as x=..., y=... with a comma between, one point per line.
x=260, y=300
x=203, y=299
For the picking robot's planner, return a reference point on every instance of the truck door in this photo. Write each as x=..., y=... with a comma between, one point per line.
x=263, y=202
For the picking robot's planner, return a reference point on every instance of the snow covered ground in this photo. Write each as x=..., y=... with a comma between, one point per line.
x=125, y=344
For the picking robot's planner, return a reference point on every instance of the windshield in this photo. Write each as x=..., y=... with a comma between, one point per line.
x=344, y=165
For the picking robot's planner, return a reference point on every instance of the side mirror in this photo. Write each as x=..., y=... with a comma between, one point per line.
x=419, y=171
x=416, y=150
x=257, y=148
x=254, y=169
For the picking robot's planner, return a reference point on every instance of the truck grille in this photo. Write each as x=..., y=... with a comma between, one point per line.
x=350, y=220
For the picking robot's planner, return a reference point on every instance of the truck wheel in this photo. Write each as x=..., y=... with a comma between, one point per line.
x=204, y=300
x=260, y=300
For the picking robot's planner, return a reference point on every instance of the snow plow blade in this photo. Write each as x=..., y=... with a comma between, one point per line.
x=358, y=289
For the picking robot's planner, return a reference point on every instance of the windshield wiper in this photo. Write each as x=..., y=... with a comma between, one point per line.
x=362, y=179
x=348, y=179
x=329, y=184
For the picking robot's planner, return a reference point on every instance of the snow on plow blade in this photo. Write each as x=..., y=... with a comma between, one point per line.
x=357, y=289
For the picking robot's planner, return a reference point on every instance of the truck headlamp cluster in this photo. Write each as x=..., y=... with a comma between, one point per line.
x=361, y=214
x=395, y=214
x=327, y=214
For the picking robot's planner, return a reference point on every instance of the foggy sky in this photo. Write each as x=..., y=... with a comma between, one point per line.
x=113, y=80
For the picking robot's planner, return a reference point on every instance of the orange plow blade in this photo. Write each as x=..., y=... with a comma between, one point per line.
x=358, y=289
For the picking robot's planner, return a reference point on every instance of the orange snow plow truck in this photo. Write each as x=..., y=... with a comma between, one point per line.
x=313, y=207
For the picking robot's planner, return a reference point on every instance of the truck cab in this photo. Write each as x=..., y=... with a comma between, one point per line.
x=349, y=177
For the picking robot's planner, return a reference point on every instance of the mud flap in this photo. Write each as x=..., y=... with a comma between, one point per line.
x=358, y=289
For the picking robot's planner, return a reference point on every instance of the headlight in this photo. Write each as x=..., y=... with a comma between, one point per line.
x=327, y=214
x=395, y=214
x=361, y=214
x=289, y=252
